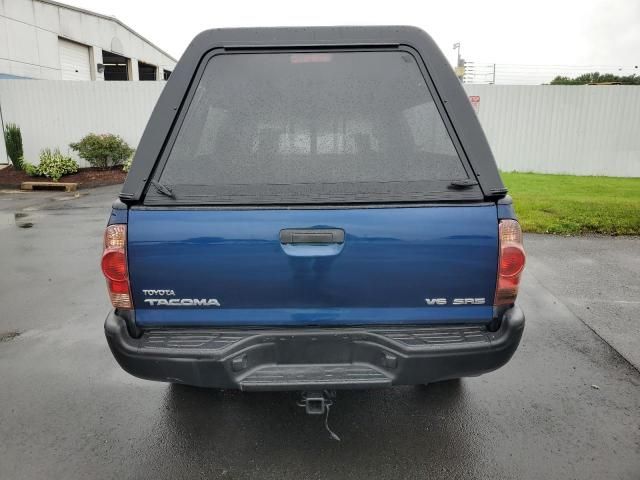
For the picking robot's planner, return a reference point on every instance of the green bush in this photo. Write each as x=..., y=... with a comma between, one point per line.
x=13, y=141
x=54, y=164
x=103, y=150
x=31, y=169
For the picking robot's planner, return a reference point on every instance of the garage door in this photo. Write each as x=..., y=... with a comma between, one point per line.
x=74, y=60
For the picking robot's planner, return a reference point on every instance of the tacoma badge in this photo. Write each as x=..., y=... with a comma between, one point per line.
x=182, y=302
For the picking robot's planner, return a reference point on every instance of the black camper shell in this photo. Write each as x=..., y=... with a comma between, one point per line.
x=451, y=100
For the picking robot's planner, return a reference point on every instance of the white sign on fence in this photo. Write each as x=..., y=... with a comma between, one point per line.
x=475, y=102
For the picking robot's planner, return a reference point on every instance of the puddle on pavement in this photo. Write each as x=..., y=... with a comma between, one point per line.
x=18, y=219
x=6, y=336
x=21, y=220
x=68, y=197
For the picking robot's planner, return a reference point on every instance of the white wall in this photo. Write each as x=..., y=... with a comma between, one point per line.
x=590, y=130
x=55, y=113
x=29, y=31
x=580, y=130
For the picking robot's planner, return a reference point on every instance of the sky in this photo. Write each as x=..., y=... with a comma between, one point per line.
x=510, y=33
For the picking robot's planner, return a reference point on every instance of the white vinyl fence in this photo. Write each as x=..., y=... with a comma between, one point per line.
x=576, y=129
x=55, y=113
x=580, y=130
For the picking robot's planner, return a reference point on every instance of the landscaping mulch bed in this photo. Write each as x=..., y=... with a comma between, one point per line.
x=85, y=178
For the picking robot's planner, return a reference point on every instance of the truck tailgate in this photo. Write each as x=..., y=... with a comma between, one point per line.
x=411, y=265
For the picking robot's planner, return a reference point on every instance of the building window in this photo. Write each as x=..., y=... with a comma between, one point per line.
x=166, y=74
x=115, y=66
x=146, y=71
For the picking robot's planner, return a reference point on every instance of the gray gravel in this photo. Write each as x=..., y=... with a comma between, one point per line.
x=68, y=411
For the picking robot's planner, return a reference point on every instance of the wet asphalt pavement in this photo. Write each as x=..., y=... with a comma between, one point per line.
x=566, y=406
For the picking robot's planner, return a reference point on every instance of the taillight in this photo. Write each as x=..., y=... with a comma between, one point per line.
x=114, y=266
x=511, y=262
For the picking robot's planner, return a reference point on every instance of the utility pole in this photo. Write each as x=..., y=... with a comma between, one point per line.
x=460, y=65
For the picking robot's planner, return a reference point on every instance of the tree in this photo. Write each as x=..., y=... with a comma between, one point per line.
x=597, y=77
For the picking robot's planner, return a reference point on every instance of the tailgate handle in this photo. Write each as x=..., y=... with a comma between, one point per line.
x=318, y=236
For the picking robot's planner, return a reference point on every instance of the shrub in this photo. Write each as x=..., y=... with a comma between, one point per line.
x=13, y=141
x=103, y=150
x=31, y=170
x=54, y=164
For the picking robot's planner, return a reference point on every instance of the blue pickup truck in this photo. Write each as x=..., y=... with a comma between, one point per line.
x=313, y=209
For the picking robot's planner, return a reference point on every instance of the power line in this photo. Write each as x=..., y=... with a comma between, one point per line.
x=554, y=65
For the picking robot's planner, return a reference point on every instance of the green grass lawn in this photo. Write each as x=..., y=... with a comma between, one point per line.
x=570, y=205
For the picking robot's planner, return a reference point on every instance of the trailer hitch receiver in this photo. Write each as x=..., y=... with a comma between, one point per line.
x=316, y=402
x=319, y=403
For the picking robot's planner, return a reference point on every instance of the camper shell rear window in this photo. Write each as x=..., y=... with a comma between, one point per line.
x=328, y=127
